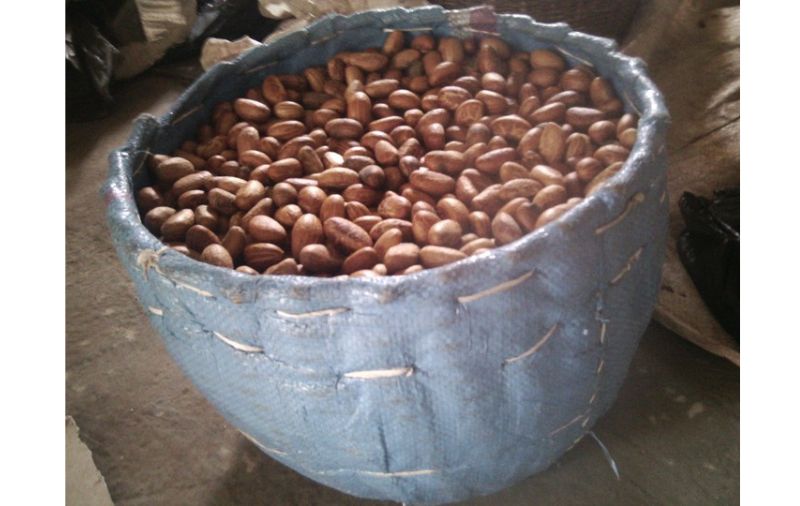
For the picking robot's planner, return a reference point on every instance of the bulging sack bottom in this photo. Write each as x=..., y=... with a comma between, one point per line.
x=431, y=387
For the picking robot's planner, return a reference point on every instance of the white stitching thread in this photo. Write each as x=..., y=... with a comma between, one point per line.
x=312, y=314
x=464, y=299
x=628, y=266
x=237, y=345
x=380, y=373
x=541, y=342
x=633, y=202
x=574, y=420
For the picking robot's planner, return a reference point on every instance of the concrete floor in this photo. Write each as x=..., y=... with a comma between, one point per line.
x=674, y=431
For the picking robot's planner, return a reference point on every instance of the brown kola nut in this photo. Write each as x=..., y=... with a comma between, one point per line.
x=215, y=254
x=346, y=234
x=437, y=256
x=445, y=233
x=400, y=257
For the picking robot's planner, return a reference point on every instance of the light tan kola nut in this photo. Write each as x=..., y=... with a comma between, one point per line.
x=389, y=160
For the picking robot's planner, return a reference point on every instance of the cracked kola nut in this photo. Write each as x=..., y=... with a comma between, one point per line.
x=400, y=144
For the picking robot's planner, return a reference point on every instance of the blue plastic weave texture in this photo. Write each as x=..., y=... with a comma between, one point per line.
x=427, y=388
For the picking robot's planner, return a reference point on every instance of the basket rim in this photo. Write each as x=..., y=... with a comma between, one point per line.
x=604, y=202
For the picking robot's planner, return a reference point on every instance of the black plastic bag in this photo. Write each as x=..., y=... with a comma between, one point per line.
x=709, y=250
x=89, y=62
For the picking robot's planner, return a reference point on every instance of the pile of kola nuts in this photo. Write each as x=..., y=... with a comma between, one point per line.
x=389, y=161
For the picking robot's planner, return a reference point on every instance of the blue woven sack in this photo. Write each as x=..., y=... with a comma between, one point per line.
x=425, y=388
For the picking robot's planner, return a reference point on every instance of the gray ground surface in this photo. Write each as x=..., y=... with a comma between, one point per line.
x=673, y=432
